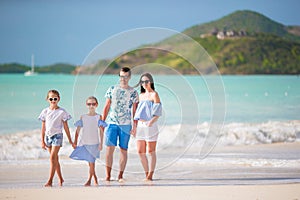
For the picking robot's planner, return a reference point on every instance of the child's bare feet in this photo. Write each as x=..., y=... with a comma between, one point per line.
x=48, y=184
x=149, y=179
x=150, y=176
x=61, y=181
x=107, y=178
x=96, y=182
x=88, y=183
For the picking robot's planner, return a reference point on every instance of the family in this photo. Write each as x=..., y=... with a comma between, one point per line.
x=125, y=113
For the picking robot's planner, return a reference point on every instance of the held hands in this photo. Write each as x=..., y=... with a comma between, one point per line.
x=73, y=145
x=133, y=131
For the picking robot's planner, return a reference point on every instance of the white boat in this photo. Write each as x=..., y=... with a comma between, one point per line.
x=31, y=72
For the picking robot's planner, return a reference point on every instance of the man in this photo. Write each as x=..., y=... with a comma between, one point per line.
x=119, y=109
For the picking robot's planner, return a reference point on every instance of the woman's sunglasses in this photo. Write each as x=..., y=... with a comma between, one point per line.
x=53, y=99
x=145, y=82
x=91, y=104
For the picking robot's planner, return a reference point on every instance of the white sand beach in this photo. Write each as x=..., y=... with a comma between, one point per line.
x=238, y=192
x=239, y=178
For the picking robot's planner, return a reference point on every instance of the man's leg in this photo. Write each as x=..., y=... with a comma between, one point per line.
x=123, y=143
x=109, y=161
x=123, y=162
x=110, y=142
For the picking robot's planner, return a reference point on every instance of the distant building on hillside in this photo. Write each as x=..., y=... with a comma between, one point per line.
x=221, y=35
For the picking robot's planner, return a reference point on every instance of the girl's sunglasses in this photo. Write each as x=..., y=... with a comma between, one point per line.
x=91, y=104
x=53, y=99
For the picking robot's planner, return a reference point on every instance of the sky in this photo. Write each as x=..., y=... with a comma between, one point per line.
x=67, y=31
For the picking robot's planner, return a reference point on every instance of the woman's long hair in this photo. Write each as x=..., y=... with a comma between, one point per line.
x=149, y=76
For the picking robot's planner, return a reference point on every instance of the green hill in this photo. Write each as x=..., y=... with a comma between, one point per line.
x=61, y=68
x=248, y=21
x=243, y=42
x=13, y=68
x=260, y=54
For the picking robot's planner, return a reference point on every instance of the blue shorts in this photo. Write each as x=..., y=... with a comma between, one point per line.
x=55, y=140
x=115, y=132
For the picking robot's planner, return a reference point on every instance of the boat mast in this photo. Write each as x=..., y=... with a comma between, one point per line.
x=32, y=63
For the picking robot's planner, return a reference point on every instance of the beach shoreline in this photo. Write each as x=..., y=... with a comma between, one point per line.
x=226, y=165
x=265, y=171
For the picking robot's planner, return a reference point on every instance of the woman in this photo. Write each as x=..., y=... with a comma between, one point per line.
x=148, y=111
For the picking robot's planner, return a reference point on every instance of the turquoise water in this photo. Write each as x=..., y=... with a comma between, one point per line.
x=186, y=99
x=259, y=110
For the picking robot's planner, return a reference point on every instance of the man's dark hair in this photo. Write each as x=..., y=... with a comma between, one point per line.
x=126, y=69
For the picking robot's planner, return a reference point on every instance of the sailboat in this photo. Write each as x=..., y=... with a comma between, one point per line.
x=31, y=72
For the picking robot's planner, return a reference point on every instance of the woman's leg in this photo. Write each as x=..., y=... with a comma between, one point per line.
x=141, y=147
x=152, y=157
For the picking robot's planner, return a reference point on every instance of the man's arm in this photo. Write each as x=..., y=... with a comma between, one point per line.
x=133, y=130
x=106, y=109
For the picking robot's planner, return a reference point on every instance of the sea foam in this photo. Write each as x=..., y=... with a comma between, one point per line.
x=27, y=145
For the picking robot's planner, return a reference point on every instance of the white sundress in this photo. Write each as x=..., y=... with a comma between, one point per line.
x=88, y=145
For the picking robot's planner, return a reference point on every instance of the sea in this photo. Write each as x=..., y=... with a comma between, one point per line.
x=203, y=117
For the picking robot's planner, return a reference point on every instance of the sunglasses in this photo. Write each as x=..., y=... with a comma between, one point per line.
x=91, y=104
x=145, y=82
x=124, y=77
x=53, y=99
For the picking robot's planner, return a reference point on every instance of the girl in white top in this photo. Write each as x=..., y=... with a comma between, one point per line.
x=54, y=119
x=90, y=132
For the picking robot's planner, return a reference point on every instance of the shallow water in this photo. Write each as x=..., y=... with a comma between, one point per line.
x=185, y=99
